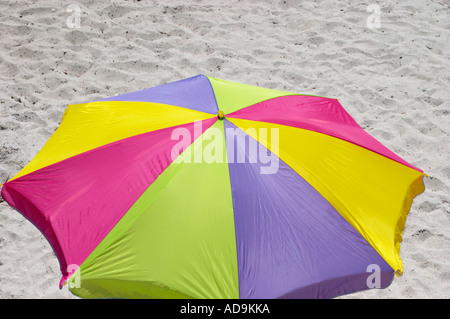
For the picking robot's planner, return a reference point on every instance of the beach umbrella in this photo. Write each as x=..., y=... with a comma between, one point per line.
x=206, y=188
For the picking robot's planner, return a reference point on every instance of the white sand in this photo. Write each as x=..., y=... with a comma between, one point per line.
x=393, y=80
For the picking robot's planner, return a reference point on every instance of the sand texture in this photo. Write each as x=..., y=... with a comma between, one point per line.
x=394, y=80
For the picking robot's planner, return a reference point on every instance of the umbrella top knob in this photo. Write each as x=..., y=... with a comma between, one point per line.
x=220, y=115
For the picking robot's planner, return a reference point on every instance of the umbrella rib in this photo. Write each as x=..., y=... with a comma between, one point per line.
x=102, y=246
x=46, y=156
x=328, y=194
x=346, y=140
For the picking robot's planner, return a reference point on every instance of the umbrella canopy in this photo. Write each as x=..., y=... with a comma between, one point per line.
x=206, y=188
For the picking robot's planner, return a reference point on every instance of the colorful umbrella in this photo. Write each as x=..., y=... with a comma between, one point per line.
x=205, y=188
